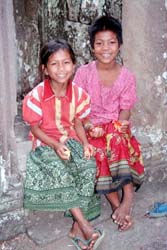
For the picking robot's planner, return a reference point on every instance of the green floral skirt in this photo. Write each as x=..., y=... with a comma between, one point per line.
x=53, y=184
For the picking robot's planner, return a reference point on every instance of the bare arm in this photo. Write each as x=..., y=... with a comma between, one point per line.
x=124, y=117
x=88, y=148
x=80, y=131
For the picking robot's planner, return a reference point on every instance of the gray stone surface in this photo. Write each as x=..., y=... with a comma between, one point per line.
x=11, y=224
x=39, y=21
x=48, y=231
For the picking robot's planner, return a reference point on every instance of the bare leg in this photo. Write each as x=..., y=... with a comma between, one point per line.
x=122, y=214
x=84, y=227
x=76, y=231
x=114, y=200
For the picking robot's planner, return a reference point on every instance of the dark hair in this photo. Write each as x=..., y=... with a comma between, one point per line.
x=52, y=47
x=105, y=23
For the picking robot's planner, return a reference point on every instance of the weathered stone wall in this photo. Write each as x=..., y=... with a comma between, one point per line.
x=145, y=52
x=11, y=211
x=28, y=36
x=41, y=20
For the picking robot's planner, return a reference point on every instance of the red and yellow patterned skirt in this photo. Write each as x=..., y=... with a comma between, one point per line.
x=118, y=158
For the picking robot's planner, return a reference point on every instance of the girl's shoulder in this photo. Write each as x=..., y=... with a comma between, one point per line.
x=37, y=91
x=127, y=76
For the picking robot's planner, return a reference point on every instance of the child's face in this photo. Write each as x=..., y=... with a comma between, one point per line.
x=106, y=46
x=59, y=67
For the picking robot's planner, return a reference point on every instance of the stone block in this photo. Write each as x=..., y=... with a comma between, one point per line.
x=23, y=148
x=11, y=224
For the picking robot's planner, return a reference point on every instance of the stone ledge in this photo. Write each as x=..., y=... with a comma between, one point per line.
x=12, y=224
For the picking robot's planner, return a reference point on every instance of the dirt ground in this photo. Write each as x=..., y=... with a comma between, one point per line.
x=49, y=231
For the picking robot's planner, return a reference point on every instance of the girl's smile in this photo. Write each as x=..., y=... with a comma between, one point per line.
x=106, y=46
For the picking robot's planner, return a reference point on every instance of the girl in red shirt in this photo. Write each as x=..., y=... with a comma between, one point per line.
x=60, y=174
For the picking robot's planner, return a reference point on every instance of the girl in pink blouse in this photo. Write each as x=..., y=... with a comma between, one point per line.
x=112, y=89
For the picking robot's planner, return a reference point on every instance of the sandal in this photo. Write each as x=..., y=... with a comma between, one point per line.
x=99, y=239
x=159, y=210
x=76, y=240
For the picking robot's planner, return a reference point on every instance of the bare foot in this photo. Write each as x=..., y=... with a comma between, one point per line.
x=84, y=230
x=76, y=232
x=91, y=234
x=128, y=223
x=122, y=217
x=86, y=234
x=122, y=214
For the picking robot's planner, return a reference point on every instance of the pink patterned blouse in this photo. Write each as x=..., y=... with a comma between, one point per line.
x=107, y=102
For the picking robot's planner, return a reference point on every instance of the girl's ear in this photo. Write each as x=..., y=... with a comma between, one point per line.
x=44, y=70
x=93, y=53
x=43, y=67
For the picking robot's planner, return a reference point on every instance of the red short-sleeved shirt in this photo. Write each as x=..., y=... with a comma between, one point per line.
x=55, y=115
